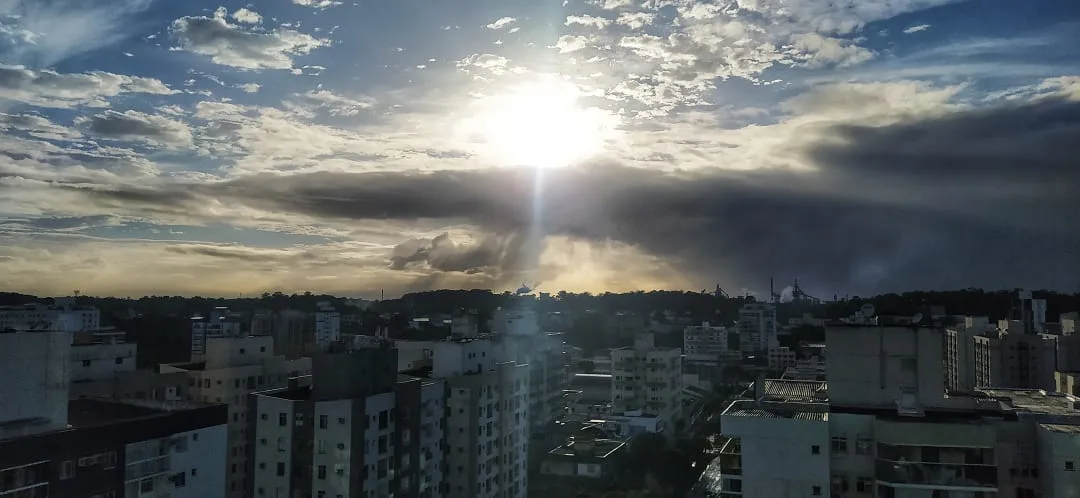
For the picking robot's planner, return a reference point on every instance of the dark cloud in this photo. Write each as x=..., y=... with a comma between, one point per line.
x=492, y=254
x=132, y=125
x=979, y=198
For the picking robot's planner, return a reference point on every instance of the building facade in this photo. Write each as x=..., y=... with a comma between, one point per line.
x=64, y=315
x=648, y=379
x=757, y=327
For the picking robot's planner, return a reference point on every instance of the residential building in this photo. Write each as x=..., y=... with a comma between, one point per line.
x=220, y=323
x=757, y=327
x=647, y=378
x=64, y=315
x=233, y=368
x=35, y=374
x=588, y=396
x=519, y=339
x=359, y=430
x=706, y=348
x=781, y=358
x=487, y=409
x=134, y=384
x=327, y=325
x=590, y=454
x=112, y=449
x=102, y=356
x=291, y=330
x=1068, y=382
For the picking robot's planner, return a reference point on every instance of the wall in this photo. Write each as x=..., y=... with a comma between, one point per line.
x=777, y=456
x=206, y=450
x=1059, y=445
x=34, y=369
x=101, y=361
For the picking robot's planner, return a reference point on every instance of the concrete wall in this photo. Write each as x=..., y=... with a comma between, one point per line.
x=34, y=369
x=778, y=456
x=204, y=462
x=101, y=361
x=1059, y=446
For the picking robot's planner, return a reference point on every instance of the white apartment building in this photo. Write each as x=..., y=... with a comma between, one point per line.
x=706, y=348
x=519, y=339
x=220, y=323
x=102, y=360
x=486, y=420
x=781, y=358
x=327, y=325
x=757, y=327
x=360, y=430
x=34, y=381
x=188, y=463
x=233, y=368
x=647, y=378
x=62, y=316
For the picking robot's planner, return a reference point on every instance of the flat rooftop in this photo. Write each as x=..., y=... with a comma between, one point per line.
x=814, y=412
x=598, y=449
x=804, y=391
x=301, y=393
x=1035, y=401
x=1061, y=428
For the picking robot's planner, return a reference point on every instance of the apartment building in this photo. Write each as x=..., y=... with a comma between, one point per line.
x=327, y=325
x=291, y=330
x=647, y=378
x=885, y=426
x=519, y=339
x=360, y=430
x=757, y=327
x=487, y=415
x=35, y=374
x=63, y=315
x=234, y=367
x=220, y=323
x=102, y=356
x=706, y=348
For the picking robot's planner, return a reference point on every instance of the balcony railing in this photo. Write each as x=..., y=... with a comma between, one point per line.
x=937, y=474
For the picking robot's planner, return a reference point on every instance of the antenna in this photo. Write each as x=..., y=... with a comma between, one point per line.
x=76, y=292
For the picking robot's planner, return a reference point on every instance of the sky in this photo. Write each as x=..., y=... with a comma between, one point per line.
x=217, y=148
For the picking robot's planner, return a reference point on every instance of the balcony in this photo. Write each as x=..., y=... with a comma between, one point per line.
x=977, y=477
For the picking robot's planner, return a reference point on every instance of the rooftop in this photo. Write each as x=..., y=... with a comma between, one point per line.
x=815, y=412
x=806, y=391
x=88, y=412
x=1061, y=428
x=288, y=393
x=1035, y=401
x=597, y=449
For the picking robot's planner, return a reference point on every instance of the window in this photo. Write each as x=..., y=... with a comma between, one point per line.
x=283, y=419
x=322, y=421
x=864, y=485
x=262, y=442
x=863, y=446
x=384, y=420
x=262, y=349
x=194, y=472
x=382, y=445
x=280, y=469
x=86, y=363
x=67, y=469
x=341, y=420
x=321, y=446
x=146, y=486
x=816, y=490
x=322, y=472
x=815, y=450
x=264, y=416
x=281, y=444
x=242, y=351
x=839, y=444
x=119, y=360
x=1070, y=466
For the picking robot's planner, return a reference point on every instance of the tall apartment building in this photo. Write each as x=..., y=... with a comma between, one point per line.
x=884, y=426
x=757, y=327
x=50, y=446
x=291, y=329
x=360, y=430
x=706, y=348
x=519, y=339
x=648, y=379
x=487, y=415
x=101, y=356
x=233, y=368
x=64, y=315
x=327, y=325
x=220, y=323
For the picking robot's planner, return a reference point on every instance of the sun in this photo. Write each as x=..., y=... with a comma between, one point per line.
x=540, y=124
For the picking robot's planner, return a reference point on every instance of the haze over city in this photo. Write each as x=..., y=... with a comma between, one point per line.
x=350, y=147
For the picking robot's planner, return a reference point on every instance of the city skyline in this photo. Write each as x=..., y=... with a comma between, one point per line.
x=345, y=147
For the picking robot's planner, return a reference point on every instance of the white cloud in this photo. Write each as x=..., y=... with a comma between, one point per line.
x=249, y=87
x=47, y=32
x=571, y=43
x=916, y=29
x=230, y=45
x=335, y=105
x=501, y=23
x=137, y=126
x=317, y=4
x=635, y=20
x=494, y=64
x=48, y=88
x=611, y=4
x=816, y=50
x=588, y=21
x=247, y=16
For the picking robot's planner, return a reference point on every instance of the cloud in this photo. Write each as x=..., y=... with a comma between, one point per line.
x=334, y=104
x=247, y=16
x=571, y=43
x=42, y=33
x=48, y=88
x=134, y=125
x=230, y=45
x=916, y=201
x=489, y=63
x=916, y=29
x=588, y=21
x=249, y=87
x=819, y=51
x=635, y=20
x=317, y=4
x=611, y=4
x=504, y=22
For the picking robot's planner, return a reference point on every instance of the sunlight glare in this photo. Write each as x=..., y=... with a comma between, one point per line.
x=540, y=125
